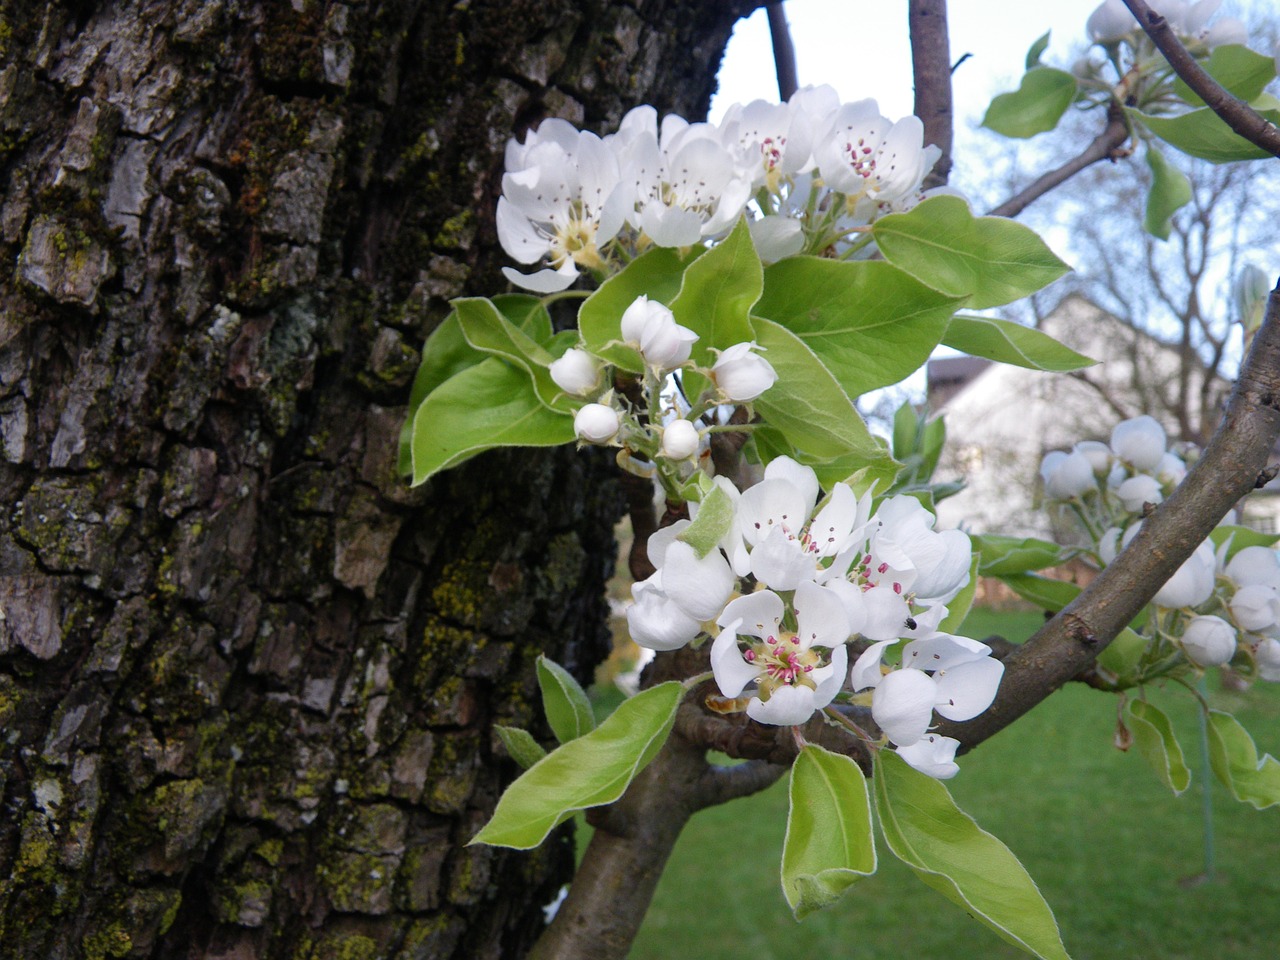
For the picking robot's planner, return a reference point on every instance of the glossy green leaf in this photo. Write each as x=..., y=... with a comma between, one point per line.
x=1240, y=71
x=1036, y=50
x=951, y=853
x=1202, y=133
x=714, y=518
x=829, y=845
x=489, y=405
x=657, y=275
x=1119, y=661
x=807, y=404
x=880, y=474
x=1153, y=735
x=1012, y=343
x=489, y=331
x=1035, y=107
x=521, y=746
x=1240, y=538
x=1234, y=758
x=1003, y=555
x=991, y=260
x=718, y=292
x=959, y=605
x=1170, y=191
x=1045, y=593
x=565, y=702
x=590, y=771
x=870, y=322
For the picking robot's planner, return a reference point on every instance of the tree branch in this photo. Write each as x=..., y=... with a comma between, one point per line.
x=1105, y=146
x=931, y=71
x=1068, y=643
x=784, y=51
x=1237, y=114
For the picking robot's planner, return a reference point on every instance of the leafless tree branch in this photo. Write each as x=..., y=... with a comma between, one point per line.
x=784, y=51
x=930, y=65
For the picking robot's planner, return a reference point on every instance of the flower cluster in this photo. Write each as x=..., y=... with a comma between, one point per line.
x=1112, y=23
x=808, y=174
x=1223, y=604
x=822, y=575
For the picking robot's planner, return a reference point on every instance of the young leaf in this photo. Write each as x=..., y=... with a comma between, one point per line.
x=568, y=709
x=1002, y=555
x=489, y=405
x=1240, y=537
x=935, y=435
x=714, y=518
x=951, y=853
x=1012, y=343
x=808, y=405
x=1118, y=662
x=1234, y=758
x=1036, y=106
x=1048, y=594
x=1202, y=133
x=991, y=260
x=1242, y=72
x=1170, y=191
x=959, y=605
x=906, y=424
x=1036, y=50
x=829, y=845
x=521, y=746
x=657, y=275
x=1153, y=733
x=488, y=330
x=870, y=322
x=718, y=292
x=590, y=771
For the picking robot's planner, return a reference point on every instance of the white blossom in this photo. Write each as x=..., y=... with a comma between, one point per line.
x=1139, y=442
x=596, y=423
x=741, y=375
x=1209, y=641
x=1067, y=475
x=651, y=328
x=680, y=440
x=576, y=372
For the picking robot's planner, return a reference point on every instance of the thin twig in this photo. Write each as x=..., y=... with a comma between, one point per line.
x=1237, y=114
x=1105, y=146
x=784, y=51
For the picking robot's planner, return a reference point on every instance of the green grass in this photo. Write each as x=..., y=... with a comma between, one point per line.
x=1115, y=854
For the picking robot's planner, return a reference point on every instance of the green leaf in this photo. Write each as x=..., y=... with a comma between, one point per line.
x=590, y=771
x=1036, y=50
x=1120, y=659
x=935, y=435
x=1153, y=734
x=1036, y=106
x=1202, y=133
x=488, y=330
x=521, y=746
x=714, y=518
x=829, y=845
x=657, y=275
x=1241, y=72
x=1240, y=537
x=1003, y=555
x=809, y=406
x=718, y=292
x=1170, y=191
x=991, y=260
x=870, y=322
x=565, y=702
x=906, y=425
x=951, y=853
x=770, y=443
x=1234, y=758
x=1012, y=343
x=1043, y=592
x=489, y=405
x=959, y=605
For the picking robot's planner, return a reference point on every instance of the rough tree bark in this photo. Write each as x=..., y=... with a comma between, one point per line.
x=247, y=677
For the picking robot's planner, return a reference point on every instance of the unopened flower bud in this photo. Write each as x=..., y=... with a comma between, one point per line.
x=596, y=423
x=1137, y=491
x=652, y=328
x=680, y=440
x=1110, y=22
x=1209, y=641
x=576, y=372
x=742, y=375
x=1267, y=655
x=1140, y=442
x=1067, y=475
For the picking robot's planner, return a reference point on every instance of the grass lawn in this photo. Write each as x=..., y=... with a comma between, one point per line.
x=1116, y=855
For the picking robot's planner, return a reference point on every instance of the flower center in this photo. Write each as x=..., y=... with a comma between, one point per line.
x=782, y=662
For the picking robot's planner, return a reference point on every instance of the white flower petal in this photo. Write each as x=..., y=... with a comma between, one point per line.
x=933, y=755
x=820, y=617
x=866, y=670
x=786, y=706
x=902, y=705
x=965, y=690
x=701, y=587
x=731, y=671
x=757, y=614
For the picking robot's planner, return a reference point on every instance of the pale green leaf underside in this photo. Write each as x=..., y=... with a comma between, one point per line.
x=1170, y=191
x=1202, y=133
x=565, y=702
x=1035, y=107
x=1234, y=758
x=1012, y=343
x=1153, y=735
x=521, y=746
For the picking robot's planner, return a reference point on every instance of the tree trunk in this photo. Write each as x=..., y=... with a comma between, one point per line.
x=247, y=676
